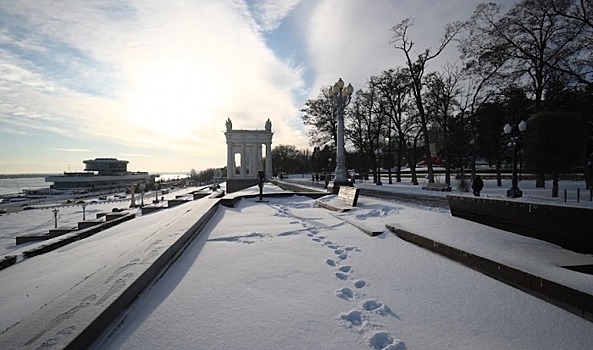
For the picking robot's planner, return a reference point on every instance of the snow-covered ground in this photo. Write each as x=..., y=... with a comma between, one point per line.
x=286, y=274
x=41, y=219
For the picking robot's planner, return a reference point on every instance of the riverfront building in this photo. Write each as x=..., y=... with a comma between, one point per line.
x=101, y=174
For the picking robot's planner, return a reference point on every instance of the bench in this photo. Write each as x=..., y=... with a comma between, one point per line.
x=346, y=199
x=437, y=187
x=349, y=195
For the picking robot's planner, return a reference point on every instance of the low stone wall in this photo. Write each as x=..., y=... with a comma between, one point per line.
x=570, y=299
x=7, y=261
x=568, y=227
x=306, y=191
x=234, y=185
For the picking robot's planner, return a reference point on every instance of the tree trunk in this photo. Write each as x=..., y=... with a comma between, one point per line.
x=554, y=185
x=412, y=164
x=540, y=181
x=498, y=173
x=374, y=165
x=462, y=183
x=398, y=176
x=428, y=157
x=447, y=160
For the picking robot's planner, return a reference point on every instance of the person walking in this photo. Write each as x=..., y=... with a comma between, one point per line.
x=477, y=185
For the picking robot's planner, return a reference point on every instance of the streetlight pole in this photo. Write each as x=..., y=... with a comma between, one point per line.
x=340, y=96
x=389, y=156
x=329, y=171
x=514, y=191
x=55, y=211
x=378, y=153
x=83, y=211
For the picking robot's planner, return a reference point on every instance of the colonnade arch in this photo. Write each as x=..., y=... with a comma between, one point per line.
x=247, y=146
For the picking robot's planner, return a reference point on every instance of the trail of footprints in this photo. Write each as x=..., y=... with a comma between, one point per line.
x=359, y=318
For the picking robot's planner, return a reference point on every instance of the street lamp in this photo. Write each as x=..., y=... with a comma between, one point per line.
x=514, y=191
x=378, y=153
x=329, y=172
x=340, y=96
x=83, y=211
x=55, y=211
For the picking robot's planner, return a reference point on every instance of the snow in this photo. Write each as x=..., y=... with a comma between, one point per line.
x=287, y=274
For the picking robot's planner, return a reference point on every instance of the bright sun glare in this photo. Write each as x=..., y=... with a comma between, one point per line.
x=173, y=99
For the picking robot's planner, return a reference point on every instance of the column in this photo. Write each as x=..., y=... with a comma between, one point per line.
x=230, y=160
x=243, y=160
x=268, y=160
x=259, y=158
x=249, y=161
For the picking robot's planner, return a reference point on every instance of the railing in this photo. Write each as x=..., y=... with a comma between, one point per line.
x=578, y=195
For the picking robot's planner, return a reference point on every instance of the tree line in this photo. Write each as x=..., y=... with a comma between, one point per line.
x=532, y=63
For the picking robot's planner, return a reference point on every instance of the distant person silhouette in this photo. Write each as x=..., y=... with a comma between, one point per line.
x=477, y=185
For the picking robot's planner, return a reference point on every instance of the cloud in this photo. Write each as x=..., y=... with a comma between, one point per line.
x=78, y=150
x=160, y=78
x=351, y=39
x=269, y=14
x=153, y=75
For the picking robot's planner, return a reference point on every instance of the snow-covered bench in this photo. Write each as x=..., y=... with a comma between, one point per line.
x=346, y=199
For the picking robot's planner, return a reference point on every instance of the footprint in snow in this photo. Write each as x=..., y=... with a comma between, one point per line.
x=341, y=276
x=377, y=307
x=345, y=293
x=360, y=284
x=345, y=268
x=353, y=318
x=384, y=341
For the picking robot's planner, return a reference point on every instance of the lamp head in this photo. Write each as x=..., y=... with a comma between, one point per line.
x=336, y=88
x=507, y=129
x=340, y=83
x=349, y=89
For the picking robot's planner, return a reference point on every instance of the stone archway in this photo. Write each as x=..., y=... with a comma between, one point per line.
x=248, y=144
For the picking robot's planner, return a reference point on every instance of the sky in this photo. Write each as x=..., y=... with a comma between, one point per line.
x=288, y=274
x=152, y=82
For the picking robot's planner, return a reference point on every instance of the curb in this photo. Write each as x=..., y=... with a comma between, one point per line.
x=569, y=299
x=368, y=231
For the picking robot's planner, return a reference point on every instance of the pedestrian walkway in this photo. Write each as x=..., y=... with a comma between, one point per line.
x=76, y=317
x=547, y=271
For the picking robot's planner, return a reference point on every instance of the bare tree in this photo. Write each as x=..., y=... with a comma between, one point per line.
x=442, y=93
x=319, y=116
x=394, y=87
x=528, y=40
x=367, y=121
x=579, y=14
x=416, y=70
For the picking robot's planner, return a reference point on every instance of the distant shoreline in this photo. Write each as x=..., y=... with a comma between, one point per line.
x=25, y=176
x=17, y=176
